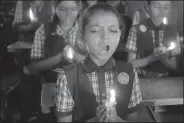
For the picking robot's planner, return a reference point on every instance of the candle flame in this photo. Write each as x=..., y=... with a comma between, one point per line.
x=70, y=53
x=31, y=15
x=112, y=95
x=172, y=46
x=165, y=20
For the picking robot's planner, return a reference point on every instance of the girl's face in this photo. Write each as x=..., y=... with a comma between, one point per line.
x=67, y=12
x=159, y=9
x=102, y=35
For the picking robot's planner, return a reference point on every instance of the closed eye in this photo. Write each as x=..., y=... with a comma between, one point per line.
x=94, y=31
x=114, y=31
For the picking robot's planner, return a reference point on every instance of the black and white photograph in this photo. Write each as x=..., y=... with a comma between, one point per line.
x=91, y=61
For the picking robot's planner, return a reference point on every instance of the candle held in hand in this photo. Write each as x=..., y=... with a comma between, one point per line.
x=171, y=46
x=31, y=15
x=165, y=21
x=112, y=99
x=70, y=53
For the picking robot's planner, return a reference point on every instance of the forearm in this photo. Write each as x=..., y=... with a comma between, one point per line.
x=46, y=64
x=142, y=62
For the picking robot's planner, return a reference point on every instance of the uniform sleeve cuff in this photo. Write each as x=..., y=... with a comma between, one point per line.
x=64, y=114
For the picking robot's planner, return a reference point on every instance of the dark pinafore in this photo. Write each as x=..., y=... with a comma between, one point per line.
x=146, y=43
x=83, y=95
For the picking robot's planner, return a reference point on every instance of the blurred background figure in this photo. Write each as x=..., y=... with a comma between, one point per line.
x=153, y=36
x=29, y=15
x=51, y=41
x=140, y=14
x=123, y=8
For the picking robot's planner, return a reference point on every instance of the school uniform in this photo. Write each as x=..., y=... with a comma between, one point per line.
x=142, y=40
x=48, y=43
x=28, y=82
x=82, y=87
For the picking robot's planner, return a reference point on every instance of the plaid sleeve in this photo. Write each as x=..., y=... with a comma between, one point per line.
x=37, y=51
x=64, y=100
x=136, y=96
x=132, y=40
x=176, y=50
x=18, y=13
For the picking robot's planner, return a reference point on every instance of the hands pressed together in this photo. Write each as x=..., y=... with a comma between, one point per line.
x=161, y=53
x=105, y=114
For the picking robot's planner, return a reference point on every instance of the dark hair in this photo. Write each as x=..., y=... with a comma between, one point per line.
x=91, y=10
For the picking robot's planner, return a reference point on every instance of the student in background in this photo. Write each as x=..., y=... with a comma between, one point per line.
x=122, y=7
x=29, y=15
x=51, y=41
x=83, y=88
x=149, y=41
x=140, y=14
x=26, y=23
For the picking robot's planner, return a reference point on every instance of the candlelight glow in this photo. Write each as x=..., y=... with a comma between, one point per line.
x=112, y=96
x=172, y=46
x=70, y=53
x=31, y=14
x=165, y=20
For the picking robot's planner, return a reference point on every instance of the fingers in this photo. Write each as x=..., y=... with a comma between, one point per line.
x=100, y=110
x=106, y=119
x=102, y=113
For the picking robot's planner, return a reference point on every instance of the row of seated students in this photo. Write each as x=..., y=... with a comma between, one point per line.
x=86, y=30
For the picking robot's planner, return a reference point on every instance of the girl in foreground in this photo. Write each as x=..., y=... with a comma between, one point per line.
x=98, y=88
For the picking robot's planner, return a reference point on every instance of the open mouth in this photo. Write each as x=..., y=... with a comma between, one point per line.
x=104, y=49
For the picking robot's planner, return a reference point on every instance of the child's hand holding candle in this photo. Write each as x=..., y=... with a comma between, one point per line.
x=111, y=102
x=69, y=53
x=159, y=51
x=172, y=45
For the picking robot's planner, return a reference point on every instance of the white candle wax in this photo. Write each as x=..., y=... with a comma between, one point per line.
x=171, y=46
x=165, y=20
x=70, y=53
x=112, y=99
x=31, y=15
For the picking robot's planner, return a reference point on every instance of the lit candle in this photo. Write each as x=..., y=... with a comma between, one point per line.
x=31, y=15
x=70, y=53
x=165, y=21
x=171, y=46
x=111, y=101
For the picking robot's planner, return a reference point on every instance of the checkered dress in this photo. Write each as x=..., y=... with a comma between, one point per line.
x=37, y=51
x=131, y=46
x=65, y=102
